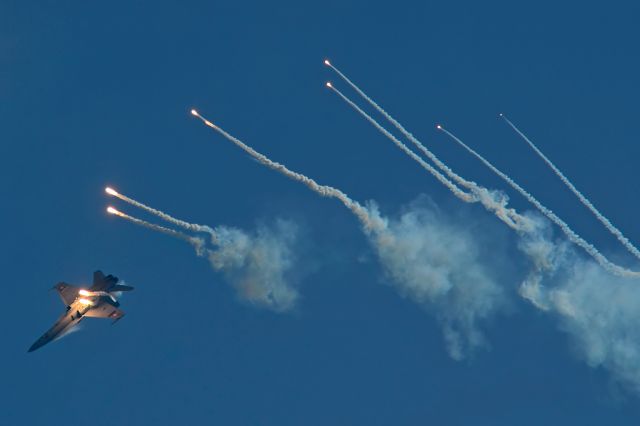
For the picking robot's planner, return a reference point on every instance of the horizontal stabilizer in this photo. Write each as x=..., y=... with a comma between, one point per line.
x=105, y=310
x=120, y=287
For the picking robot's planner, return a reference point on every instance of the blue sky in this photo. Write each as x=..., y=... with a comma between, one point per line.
x=100, y=94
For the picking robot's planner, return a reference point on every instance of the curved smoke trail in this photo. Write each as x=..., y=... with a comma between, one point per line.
x=181, y=223
x=428, y=259
x=196, y=242
x=256, y=264
x=493, y=201
x=324, y=190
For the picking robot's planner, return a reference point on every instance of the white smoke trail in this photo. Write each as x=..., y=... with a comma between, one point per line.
x=196, y=242
x=181, y=223
x=603, y=219
x=493, y=201
x=571, y=235
x=471, y=185
x=457, y=178
x=432, y=262
x=469, y=198
x=324, y=190
x=257, y=265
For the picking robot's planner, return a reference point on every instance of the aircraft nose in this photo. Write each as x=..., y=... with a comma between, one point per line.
x=38, y=344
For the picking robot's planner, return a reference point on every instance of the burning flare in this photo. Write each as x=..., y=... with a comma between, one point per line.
x=112, y=210
x=164, y=216
x=111, y=191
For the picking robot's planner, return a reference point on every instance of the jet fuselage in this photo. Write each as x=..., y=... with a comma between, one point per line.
x=71, y=318
x=98, y=301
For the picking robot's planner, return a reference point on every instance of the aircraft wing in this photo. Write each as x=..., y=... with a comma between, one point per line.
x=67, y=292
x=105, y=310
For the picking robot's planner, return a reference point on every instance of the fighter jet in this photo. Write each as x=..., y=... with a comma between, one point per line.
x=98, y=301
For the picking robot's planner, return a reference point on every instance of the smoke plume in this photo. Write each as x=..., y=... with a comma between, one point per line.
x=259, y=264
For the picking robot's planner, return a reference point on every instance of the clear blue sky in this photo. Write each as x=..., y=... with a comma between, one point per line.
x=99, y=94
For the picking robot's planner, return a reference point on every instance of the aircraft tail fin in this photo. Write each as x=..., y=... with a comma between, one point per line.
x=102, y=282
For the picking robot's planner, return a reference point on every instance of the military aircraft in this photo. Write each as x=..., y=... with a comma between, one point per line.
x=98, y=301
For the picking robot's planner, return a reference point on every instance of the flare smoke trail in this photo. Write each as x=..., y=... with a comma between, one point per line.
x=459, y=179
x=493, y=201
x=468, y=184
x=603, y=219
x=196, y=242
x=428, y=259
x=324, y=190
x=606, y=337
x=256, y=264
x=573, y=237
x=186, y=225
x=446, y=182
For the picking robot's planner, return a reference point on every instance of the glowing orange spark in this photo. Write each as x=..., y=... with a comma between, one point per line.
x=112, y=210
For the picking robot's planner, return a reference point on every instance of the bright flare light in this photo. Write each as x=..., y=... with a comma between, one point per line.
x=84, y=292
x=110, y=191
x=194, y=112
x=329, y=84
x=326, y=62
x=112, y=210
x=439, y=127
x=85, y=302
